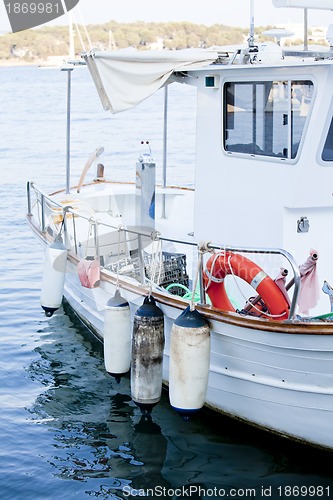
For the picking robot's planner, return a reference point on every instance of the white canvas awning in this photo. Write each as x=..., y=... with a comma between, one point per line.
x=305, y=4
x=126, y=77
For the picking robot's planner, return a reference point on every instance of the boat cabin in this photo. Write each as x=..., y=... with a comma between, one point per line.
x=264, y=143
x=264, y=157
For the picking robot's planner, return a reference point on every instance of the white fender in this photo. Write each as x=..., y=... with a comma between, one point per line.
x=53, y=280
x=189, y=362
x=117, y=336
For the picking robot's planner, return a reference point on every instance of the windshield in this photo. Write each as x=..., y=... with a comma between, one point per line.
x=265, y=118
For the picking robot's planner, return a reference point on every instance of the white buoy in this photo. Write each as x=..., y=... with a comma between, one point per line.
x=54, y=272
x=147, y=355
x=189, y=362
x=117, y=336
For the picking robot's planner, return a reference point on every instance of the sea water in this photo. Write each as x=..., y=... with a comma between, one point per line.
x=67, y=429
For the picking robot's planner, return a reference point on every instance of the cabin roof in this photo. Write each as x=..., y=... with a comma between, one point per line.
x=126, y=77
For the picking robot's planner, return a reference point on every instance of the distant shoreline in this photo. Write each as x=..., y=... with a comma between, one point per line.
x=10, y=64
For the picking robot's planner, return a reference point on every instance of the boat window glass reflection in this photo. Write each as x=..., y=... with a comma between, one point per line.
x=265, y=118
x=327, y=154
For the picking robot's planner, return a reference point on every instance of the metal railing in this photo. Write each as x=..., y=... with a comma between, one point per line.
x=42, y=199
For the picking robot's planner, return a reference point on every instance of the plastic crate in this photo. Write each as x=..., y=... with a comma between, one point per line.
x=172, y=270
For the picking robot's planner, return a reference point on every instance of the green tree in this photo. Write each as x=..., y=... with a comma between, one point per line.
x=37, y=44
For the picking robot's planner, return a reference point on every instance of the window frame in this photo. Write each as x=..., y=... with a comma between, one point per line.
x=290, y=84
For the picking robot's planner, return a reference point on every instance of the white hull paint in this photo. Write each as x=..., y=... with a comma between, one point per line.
x=270, y=380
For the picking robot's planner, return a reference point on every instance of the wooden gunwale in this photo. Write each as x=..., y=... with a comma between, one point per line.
x=128, y=183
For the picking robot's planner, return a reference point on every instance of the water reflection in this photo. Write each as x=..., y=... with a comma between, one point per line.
x=100, y=438
x=98, y=432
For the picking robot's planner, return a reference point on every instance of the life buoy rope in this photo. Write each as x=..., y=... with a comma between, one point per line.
x=221, y=264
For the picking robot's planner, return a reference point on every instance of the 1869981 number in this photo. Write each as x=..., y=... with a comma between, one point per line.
x=304, y=491
x=34, y=8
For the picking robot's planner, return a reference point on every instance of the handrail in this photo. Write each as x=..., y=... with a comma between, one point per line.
x=43, y=197
x=156, y=235
x=29, y=198
x=31, y=185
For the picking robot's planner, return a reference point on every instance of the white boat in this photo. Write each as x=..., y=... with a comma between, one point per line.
x=248, y=253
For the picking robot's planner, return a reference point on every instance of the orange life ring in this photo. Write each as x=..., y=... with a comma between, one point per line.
x=221, y=264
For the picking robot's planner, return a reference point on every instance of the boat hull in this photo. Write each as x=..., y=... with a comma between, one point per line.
x=280, y=382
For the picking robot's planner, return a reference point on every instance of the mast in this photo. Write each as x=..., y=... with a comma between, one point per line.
x=71, y=36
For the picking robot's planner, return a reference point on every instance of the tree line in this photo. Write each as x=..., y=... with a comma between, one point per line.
x=38, y=44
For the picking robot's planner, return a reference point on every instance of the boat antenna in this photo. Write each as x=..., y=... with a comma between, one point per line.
x=251, y=36
x=306, y=45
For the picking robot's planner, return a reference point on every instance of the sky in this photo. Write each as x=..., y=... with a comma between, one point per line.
x=208, y=12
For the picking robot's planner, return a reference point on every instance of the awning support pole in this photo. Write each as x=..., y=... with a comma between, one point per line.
x=69, y=70
x=165, y=140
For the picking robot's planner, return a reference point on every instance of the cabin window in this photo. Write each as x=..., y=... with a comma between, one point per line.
x=327, y=154
x=265, y=118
